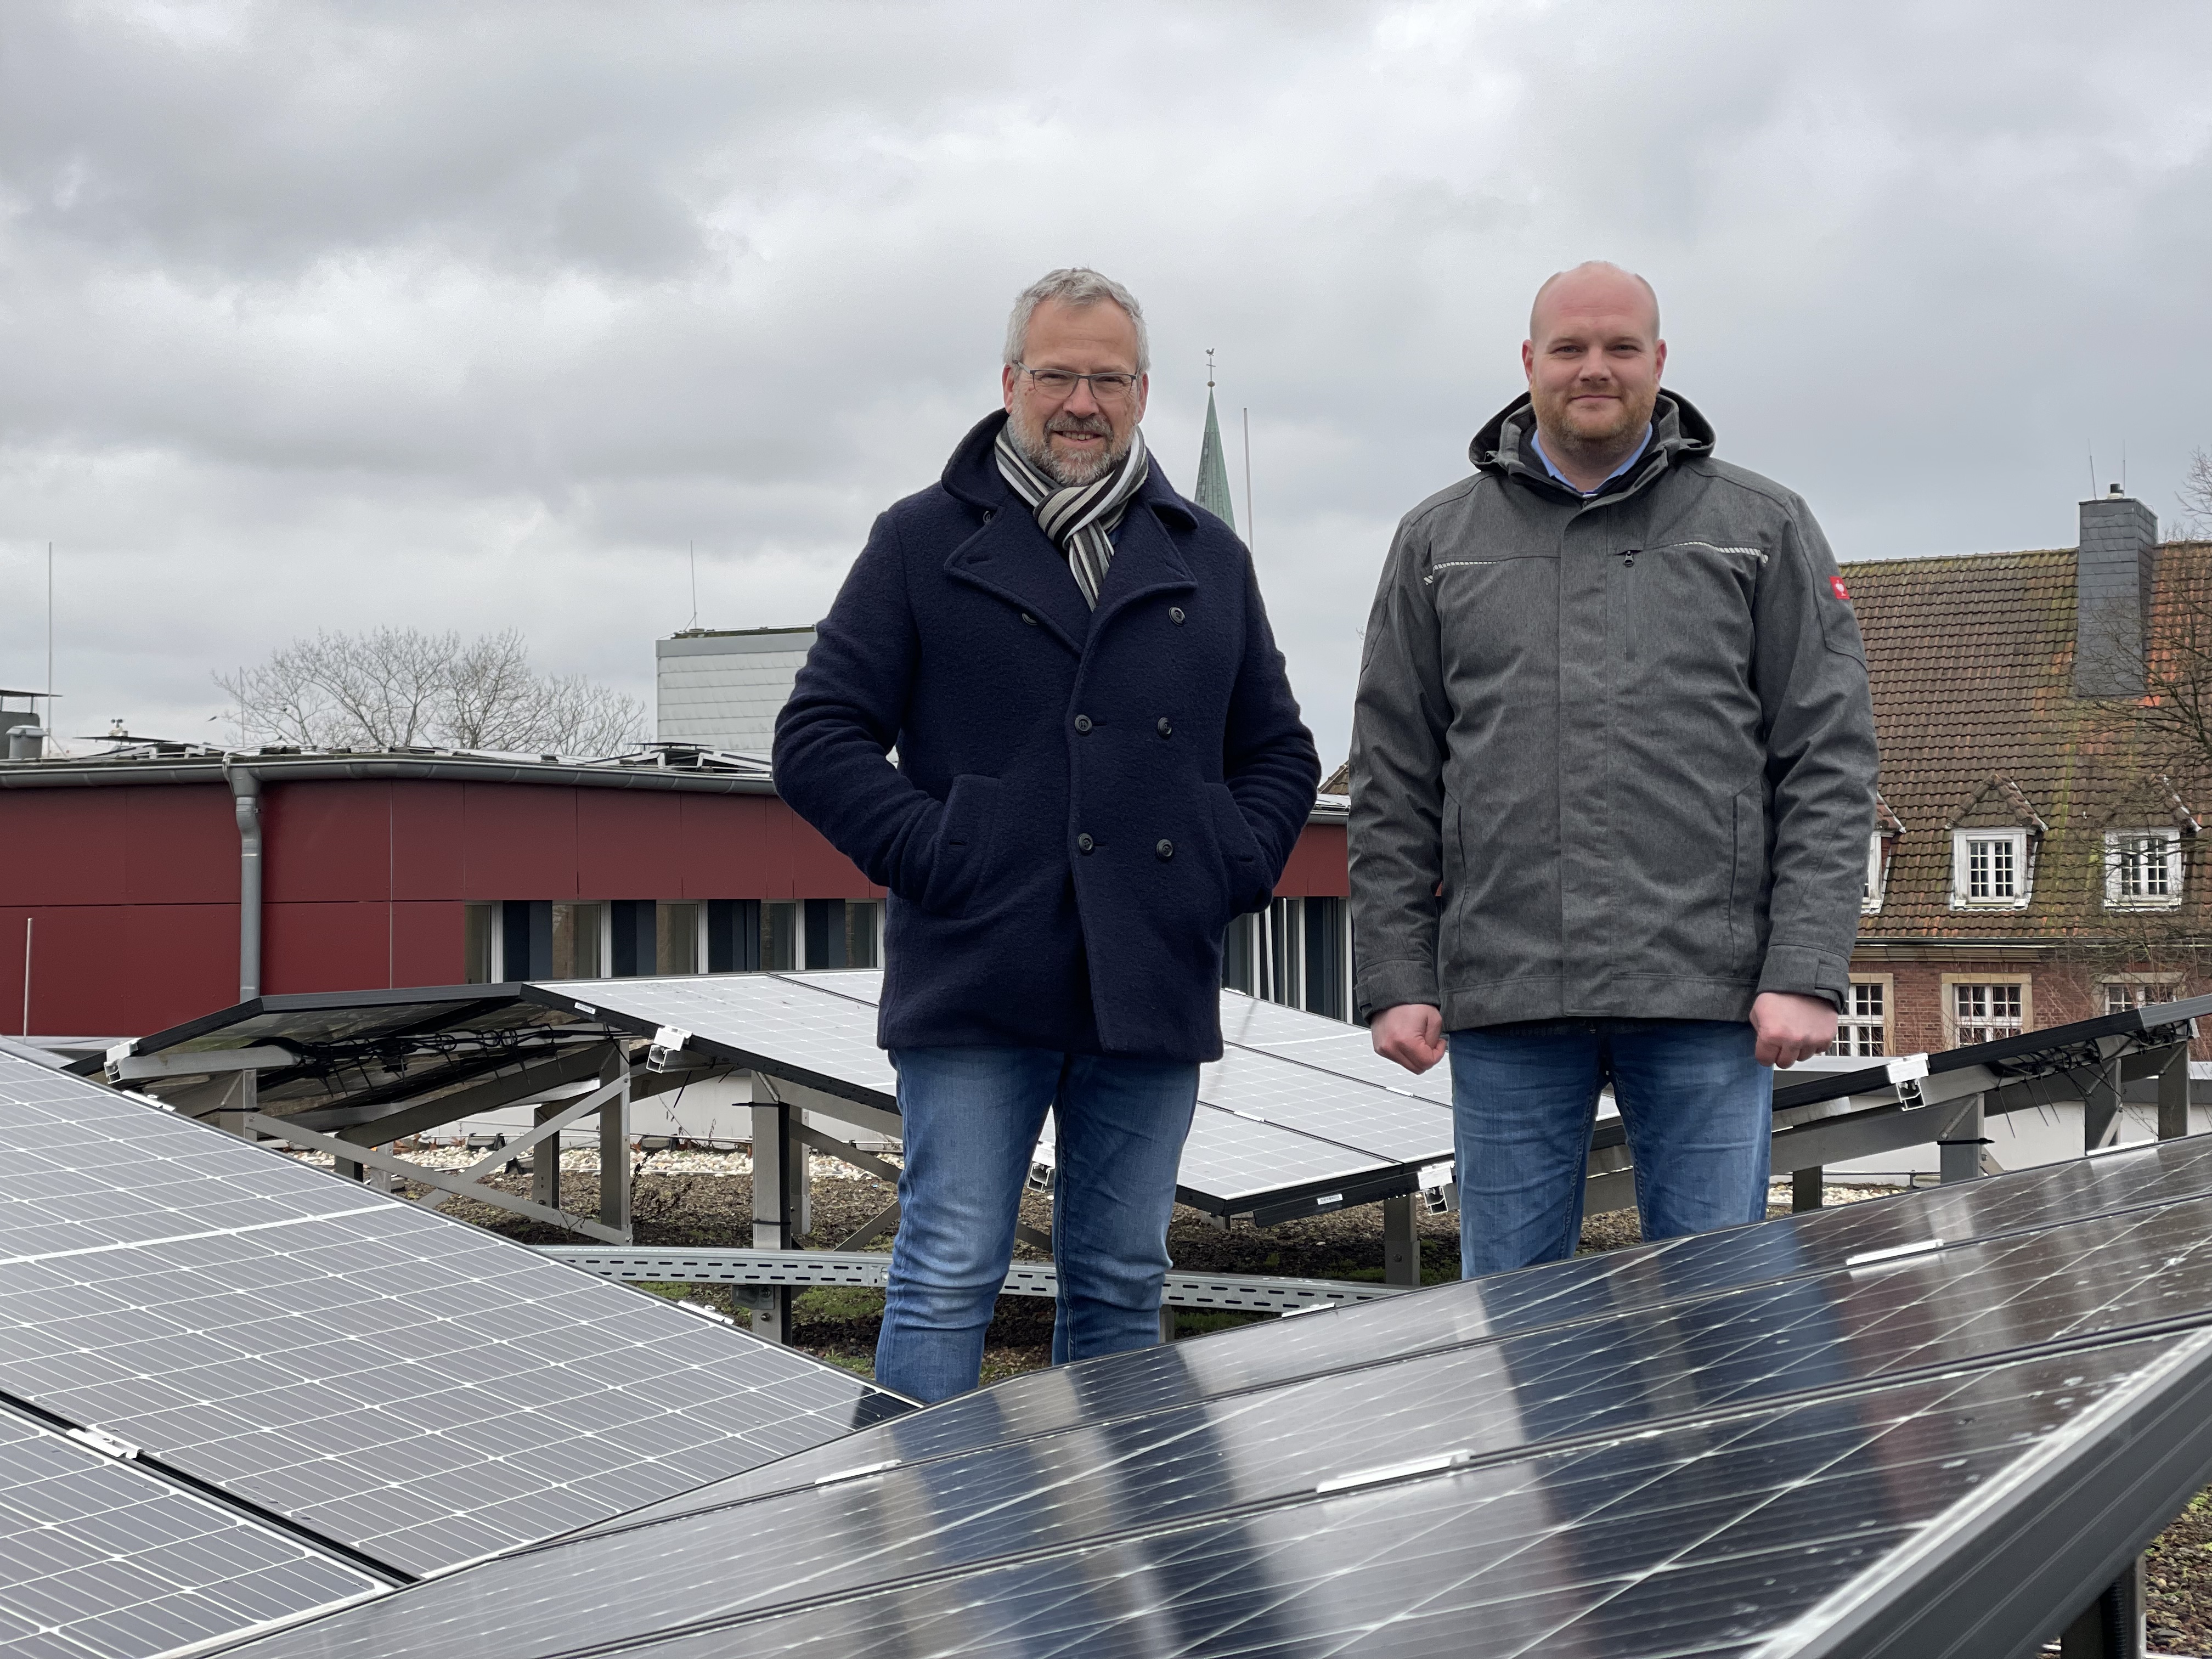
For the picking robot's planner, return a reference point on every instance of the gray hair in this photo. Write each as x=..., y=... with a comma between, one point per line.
x=1075, y=285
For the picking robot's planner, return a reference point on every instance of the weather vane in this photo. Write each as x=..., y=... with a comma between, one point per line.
x=1209, y=368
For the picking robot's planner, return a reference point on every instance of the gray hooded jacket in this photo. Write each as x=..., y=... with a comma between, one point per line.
x=1612, y=757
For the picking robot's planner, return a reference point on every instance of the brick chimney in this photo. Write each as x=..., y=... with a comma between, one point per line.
x=2113, y=567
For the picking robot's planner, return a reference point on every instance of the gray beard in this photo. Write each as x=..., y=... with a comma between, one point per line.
x=1068, y=475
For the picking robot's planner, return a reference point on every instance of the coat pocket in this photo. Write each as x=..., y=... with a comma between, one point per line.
x=967, y=844
x=1243, y=880
x=1747, y=879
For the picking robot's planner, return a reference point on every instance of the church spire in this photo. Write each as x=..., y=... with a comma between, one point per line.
x=1212, y=467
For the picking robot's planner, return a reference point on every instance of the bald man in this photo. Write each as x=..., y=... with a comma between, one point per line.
x=1613, y=774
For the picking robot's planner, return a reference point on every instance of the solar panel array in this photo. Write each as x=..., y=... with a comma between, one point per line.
x=1747, y=1442
x=100, y=1557
x=400, y=1384
x=1293, y=1110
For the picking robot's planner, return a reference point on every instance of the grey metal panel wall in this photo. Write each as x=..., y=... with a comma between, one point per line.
x=725, y=693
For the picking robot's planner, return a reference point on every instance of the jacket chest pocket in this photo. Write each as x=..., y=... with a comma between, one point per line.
x=1496, y=616
x=1681, y=610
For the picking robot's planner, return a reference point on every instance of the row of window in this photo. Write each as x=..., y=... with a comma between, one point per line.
x=1298, y=952
x=624, y=938
x=1995, y=870
x=1977, y=1010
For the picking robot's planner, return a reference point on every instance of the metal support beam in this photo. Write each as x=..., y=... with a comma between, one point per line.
x=545, y=1157
x=2173, y=1094
x=2111, y=1626
x=1401, y=1243
x=806, y=1134
x=198, y=1063
x=884, y=1220
x=2101, y=1104
x=1958, y=1153
x=1808, y=1188
x=776, y=1218
x=387, y=1123
x=562, y=1114
x=614, y=1145
x=449, y=1185
x=715, y=1265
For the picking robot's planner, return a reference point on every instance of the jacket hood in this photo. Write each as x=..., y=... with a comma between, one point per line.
x=973, y=476
x=1678, y=430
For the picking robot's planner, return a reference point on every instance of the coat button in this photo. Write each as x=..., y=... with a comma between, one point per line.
x=1028, y=619
x=1084, y=843
x=1164, y=729
x=1175, y=614
x=1082, y=722
x=1165, y=849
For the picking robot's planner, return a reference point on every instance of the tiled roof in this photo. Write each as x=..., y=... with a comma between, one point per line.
x=1339, y=782
x=1971, y=662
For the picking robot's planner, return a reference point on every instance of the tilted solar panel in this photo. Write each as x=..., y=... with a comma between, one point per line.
x=99, y=1556
x=406, y=1385
x=1690, y=1475
x=1673, y=1273
x=1266, y=1127
x=805, y=1028
x=1327, y=1045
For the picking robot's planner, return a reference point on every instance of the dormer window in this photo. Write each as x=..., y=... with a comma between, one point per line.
x=1882, y=844
x=1989, y=869
x=2143, y=869
x=1877, y=873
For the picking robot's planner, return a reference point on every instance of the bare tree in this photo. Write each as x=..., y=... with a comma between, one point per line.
x=2195, y=494
x=400, y=688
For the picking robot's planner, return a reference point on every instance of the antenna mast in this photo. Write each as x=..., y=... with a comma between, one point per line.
x=50, y=635
x=1251, y=532
x=694, y=546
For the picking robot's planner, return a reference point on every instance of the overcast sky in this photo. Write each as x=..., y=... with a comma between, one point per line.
x=326, y=316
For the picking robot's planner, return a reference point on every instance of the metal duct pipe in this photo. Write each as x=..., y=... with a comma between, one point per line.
x=246, y=794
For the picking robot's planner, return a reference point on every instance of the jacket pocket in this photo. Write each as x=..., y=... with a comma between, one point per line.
x=1242, y=881
x=1747, y=877
x=967, y=845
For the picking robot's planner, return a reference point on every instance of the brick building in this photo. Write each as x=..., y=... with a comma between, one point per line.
x=2037, y=856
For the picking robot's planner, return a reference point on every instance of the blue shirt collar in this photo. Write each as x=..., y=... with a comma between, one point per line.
x=1536, y=443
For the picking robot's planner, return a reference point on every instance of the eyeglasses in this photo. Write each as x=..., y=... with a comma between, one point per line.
x=1058, y=383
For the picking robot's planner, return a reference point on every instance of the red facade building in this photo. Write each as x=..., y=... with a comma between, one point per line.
x=126, y=882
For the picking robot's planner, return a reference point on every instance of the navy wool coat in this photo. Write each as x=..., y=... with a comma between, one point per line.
x=1082, y=800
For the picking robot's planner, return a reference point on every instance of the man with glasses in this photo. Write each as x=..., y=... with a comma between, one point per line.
x=1099, y=764
x=1612, y=769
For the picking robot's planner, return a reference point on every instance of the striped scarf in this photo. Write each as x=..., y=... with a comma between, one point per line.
x=1078, y=518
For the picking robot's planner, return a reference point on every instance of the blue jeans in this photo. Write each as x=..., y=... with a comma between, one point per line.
x=1697, y=1108
x=971, y=1118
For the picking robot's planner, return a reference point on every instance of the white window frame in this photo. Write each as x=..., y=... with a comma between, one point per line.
x=1951, y=983
x=2116, y=844
x=2023, y=875
x=1850, y=1019
x=2134, y=985
x=1877, y=873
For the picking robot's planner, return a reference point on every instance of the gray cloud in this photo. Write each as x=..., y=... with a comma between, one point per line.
x=319, y=315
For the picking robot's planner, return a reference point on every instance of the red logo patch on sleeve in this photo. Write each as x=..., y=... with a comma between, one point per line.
x=1842, y=593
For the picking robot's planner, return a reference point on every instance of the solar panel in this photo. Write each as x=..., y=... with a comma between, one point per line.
x=1327, y=1044
x=405, y=1384
x=1777, y=1259
x=804, y=1030
x=100, y=1557
x=1689, y=1476
x=1267, y=1129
